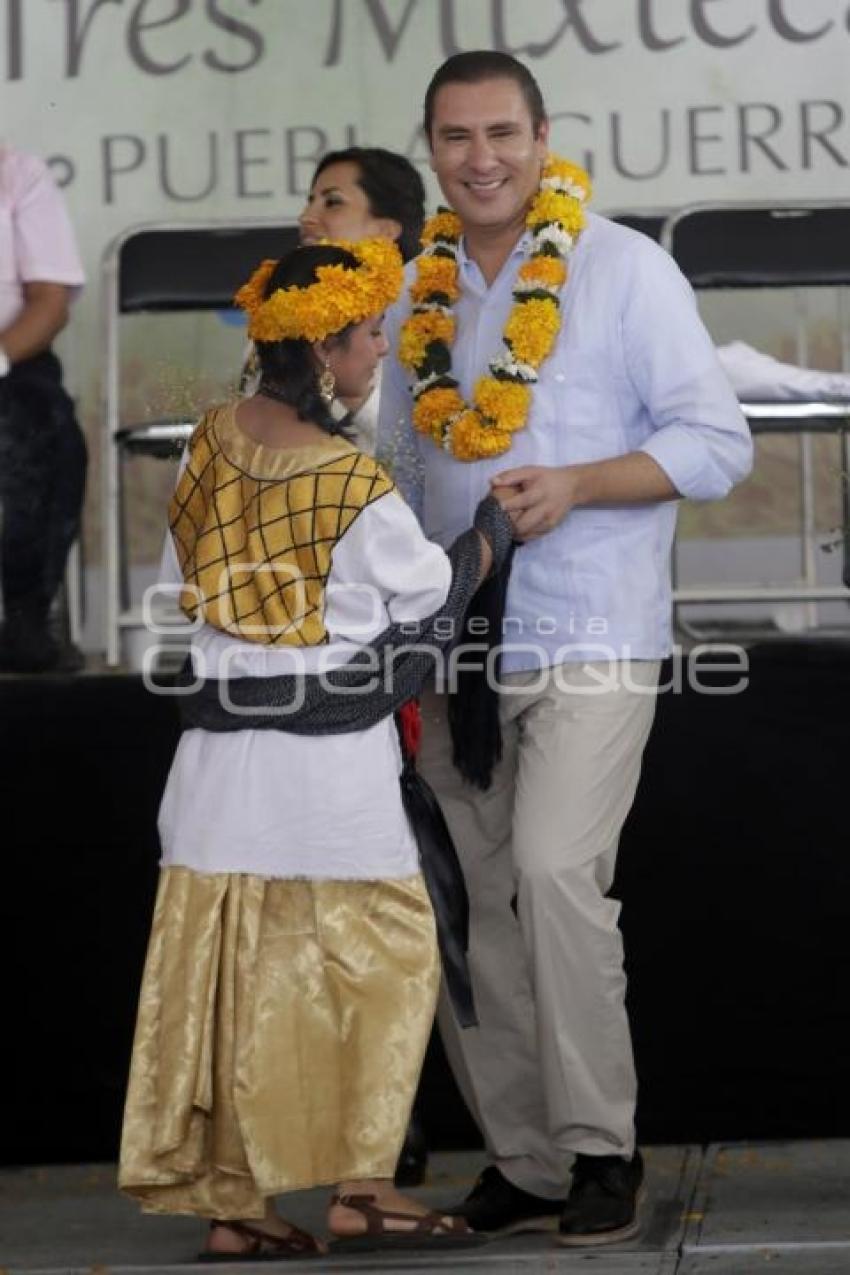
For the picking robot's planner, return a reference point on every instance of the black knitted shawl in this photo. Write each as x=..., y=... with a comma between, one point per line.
x=377, y=680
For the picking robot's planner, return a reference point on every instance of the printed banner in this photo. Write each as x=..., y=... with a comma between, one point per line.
x=179, y=109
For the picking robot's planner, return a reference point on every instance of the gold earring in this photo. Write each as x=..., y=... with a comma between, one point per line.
x=327, y=384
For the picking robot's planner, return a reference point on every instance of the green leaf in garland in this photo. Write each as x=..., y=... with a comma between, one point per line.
x=440, y=298
x=438, y=357
x=536, y=294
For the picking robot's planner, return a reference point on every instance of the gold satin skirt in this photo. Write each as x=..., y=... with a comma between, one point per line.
x=280, y=1036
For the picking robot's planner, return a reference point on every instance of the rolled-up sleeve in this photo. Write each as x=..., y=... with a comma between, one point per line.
x=700, y=437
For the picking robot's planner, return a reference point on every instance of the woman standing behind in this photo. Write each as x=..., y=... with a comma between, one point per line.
x=364, y=193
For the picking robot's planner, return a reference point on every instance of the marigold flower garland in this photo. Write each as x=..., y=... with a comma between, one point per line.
x=339, y=297
x=502, y=400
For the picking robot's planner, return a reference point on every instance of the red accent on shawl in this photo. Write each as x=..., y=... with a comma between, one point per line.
x=410, y=720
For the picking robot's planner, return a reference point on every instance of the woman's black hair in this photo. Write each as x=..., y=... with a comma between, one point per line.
x=392, y=186
x=288, y=368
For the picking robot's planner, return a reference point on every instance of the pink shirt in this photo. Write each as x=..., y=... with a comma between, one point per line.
x=37, y=241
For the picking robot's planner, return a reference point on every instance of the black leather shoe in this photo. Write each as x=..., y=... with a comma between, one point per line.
x=602, y=1207
x=26, y=645
x=498, y=1207
x=30, y=647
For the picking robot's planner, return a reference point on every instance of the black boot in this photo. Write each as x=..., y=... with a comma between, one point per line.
x=31, y=643
x=26, y=643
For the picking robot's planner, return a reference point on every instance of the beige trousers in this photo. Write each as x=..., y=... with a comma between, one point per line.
x=549, y=1070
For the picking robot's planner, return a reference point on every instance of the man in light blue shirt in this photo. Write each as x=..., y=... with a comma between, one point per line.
x=629, y=412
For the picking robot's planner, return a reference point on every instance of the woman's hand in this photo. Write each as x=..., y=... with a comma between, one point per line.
x=486, y=558
x=494, y=525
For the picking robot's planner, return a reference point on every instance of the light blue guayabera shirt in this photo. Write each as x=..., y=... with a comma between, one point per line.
x=633, y=369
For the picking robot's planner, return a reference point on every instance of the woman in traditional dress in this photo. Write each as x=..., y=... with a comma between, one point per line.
x=292, y=968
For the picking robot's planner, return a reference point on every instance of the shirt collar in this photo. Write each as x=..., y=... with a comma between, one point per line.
x=519, y=249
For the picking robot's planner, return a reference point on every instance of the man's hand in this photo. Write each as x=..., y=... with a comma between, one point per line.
x=502, y=492
x=536, y=497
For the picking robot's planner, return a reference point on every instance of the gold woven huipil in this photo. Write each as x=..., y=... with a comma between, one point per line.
x=255, y=527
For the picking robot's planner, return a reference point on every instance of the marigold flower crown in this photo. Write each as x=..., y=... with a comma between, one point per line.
x=501, y=401
x=339, y=297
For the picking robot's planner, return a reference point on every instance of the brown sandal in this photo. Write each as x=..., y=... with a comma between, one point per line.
x=430, y=1230
x=263, y=1247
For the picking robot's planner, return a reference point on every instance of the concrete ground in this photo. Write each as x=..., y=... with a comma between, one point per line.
x=733, y=1209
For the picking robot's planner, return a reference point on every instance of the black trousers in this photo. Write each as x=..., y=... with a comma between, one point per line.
x=42, y=483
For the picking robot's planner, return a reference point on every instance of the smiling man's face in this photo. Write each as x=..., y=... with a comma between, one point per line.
x=485, y=154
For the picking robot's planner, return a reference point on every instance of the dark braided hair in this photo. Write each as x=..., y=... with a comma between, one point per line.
x=288, y=368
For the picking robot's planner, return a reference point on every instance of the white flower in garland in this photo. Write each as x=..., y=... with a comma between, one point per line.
x=523, y=286
x=560, y=239
x=425, y=384
x=506, y=365
x=564, y=188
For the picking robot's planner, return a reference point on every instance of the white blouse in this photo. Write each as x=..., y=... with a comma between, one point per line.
x=326, y=807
